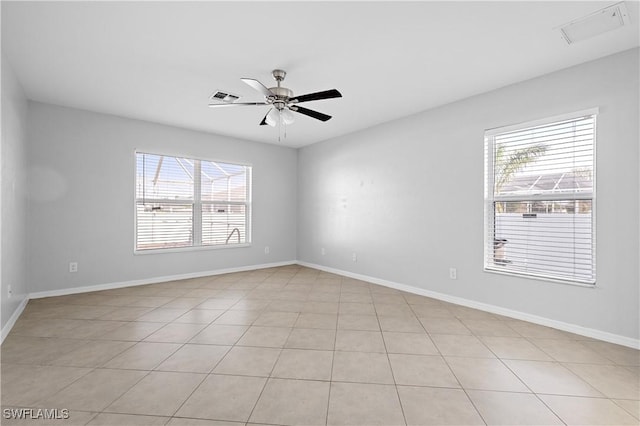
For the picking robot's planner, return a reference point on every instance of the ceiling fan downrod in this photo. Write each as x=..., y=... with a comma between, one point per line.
x=281, y=94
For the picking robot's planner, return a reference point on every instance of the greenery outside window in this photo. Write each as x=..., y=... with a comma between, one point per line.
x=540, y=199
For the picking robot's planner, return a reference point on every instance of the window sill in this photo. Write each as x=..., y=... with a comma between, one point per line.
x=538, y=278
x=189, y=249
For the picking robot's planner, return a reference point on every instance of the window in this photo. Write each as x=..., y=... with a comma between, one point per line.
x=539, y=199
x=184, y=202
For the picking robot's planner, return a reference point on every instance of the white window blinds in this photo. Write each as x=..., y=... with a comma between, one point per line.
x=539, y=199
x=183, y=202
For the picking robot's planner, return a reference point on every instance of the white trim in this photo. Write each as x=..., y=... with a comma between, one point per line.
x=195, y=202
x=12, y=321
x=108, y=286
x=154, y=280
x=541, y=122
x=190, y=248
x=196, y=225
x=572, y=328
x=490, y=200
x=560, y=325
x=190, y=156
x=539, y=277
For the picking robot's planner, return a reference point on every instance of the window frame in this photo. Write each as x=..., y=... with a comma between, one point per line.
x=196, y=203
x=490, y=199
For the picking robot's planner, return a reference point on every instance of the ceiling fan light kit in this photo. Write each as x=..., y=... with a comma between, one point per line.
x=282, y=101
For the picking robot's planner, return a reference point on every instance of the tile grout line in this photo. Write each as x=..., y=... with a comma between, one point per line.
x=333, y=357
x=266, y=382
x=393, y=376
x=211, y=370
x=525, y=384
x=141, y=378
x=167, y=357
x=190, y=395
x=636, y=415
x=453, y=373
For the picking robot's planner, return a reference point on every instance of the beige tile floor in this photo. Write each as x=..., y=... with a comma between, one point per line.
x=295, y=346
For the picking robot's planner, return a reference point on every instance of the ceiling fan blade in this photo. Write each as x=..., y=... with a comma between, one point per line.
x=264, y=120
x=327, y=94
x=311, y=113
x=237, y=104
x=256, y=85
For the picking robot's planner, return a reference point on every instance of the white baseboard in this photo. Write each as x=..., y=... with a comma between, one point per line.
x=108, y=286
x=14, y=317
x=154, y=280
x=560, y=325
x=572, y=328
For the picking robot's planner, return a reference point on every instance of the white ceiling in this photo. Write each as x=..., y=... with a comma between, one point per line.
x=160, y=61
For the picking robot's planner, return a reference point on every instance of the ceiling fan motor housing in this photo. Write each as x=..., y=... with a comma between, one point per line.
x=282, y=95
x=281, y=92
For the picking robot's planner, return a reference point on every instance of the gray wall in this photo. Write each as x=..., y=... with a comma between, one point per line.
x=14, y=211
x=407, y=196
x=81, y=207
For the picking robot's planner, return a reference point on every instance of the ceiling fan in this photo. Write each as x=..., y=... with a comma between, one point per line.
x=282, y=101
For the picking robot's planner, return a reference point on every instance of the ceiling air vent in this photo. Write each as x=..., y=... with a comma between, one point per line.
x=599, y=22
x=224, y=97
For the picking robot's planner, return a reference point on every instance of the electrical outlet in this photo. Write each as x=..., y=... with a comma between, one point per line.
x=355, y=256
x=73, y=266
x=267, y=250
x=453, y=273
x=9, y=292
x=323, y=251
